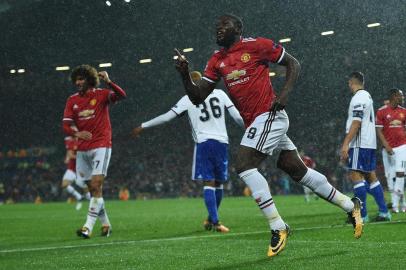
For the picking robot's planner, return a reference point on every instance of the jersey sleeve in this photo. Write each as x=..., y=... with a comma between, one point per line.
x=269, y=50
x=227, y=101
x=357, y=108
x=68, y=112
x=379, y=119
x=182, y=105
x=210, y=72
x=117, y=94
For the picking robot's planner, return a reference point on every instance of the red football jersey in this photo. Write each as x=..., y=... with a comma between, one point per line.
x=309, y=162
x=71, y=143
x=244, y=69
x=90, y=112
x=392, y=121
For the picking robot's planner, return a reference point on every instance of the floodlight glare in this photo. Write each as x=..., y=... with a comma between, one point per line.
x=143, y=61
x=105, y=65
x=61, y=68
x=327, y=33
x=285, y=40
x=373, y=25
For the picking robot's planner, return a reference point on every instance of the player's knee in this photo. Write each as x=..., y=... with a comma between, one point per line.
x=64, y=184
x=294, y=167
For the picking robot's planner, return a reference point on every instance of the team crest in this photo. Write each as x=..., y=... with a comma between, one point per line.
x=402, y=115
x=93, y=102
x=245, y=57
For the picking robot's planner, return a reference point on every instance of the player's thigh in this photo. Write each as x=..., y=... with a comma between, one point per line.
x=100, y=158
x=202, y=167
x=248, y=158
x=220, y=160
x=68, y=178
x=362, y=160
x=290, y=162
x=400, y=160
x=83, y=166
x=266, y=131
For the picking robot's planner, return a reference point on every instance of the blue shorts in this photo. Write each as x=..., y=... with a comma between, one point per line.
x=361, y=159
x=210, y=161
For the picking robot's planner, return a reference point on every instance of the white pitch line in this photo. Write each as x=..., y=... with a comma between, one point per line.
x=195, y=237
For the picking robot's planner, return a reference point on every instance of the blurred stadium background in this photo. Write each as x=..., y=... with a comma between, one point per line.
x=40, y=35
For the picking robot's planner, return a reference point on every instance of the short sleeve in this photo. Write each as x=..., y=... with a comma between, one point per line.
x=269, y=50
x=227, y=101
x=210, y=72
x=379, y=119
x=357, y=108
x=182, y=105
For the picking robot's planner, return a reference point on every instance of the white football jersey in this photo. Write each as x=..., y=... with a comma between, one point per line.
x=206, y=119
x=362, y=109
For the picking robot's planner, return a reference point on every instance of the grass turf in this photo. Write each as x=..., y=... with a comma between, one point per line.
x=168, y=234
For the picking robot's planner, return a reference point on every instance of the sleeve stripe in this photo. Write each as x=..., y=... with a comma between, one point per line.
x=282, y=55
x=378, y=125
x=209, y=80
x=175, y=112
x=230, y=106
x=67, y=119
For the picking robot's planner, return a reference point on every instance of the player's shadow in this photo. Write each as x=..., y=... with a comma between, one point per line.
x=268, y=261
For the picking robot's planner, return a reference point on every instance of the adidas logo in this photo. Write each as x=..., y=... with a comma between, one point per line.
x=222, y=65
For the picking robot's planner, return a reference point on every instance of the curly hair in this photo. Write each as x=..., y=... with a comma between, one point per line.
x=87, y=72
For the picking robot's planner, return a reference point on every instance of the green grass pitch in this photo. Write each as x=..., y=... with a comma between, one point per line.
x=168, y=234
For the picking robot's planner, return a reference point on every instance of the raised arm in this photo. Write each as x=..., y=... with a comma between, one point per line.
x=196, y=93
x=118, y=92
x=232, y=110
x=235, y=114
x=159, y=120
x=292, y=73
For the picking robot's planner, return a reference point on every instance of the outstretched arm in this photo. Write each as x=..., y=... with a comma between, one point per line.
x=292, y=73
x=196, y=93
x=118, y=92
x=159, y=120
x=235, y=114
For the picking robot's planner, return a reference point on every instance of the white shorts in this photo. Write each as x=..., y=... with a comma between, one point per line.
x=400, y=158
x=69, y=176
x=92, y=162
x=268, y=133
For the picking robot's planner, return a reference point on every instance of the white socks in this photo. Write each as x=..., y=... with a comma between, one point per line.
x=104, y=219
x=262, y=196
x=73, y=191
x=319, y=184
x=398, y=191
x=95, y=205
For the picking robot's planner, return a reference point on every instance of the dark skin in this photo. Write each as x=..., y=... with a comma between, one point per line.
x=227, y=34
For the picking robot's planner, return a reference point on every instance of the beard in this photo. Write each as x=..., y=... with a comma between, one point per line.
x=225, y=41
